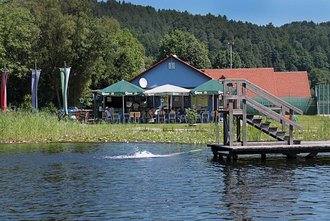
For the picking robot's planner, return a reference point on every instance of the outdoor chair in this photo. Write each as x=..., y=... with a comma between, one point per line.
x=137, y=116
x=172, y=118
x=131, y=116
x=126, y=118
x=115, y=118
x=205, y=117
x=181, y=118
x=161, y=118
x=215, y=116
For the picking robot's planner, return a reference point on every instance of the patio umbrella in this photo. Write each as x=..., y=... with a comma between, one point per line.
x=167, y=90
x=122, y=88
x=211, y=87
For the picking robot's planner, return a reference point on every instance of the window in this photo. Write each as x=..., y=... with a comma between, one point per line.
x=171, y=65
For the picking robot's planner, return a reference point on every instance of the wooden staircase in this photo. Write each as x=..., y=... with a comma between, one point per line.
x=235, y=103
x=265, y=127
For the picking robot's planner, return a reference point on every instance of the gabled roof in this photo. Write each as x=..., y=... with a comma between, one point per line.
x=294, y=84
x=263, y=77
x=164, y=60
x=281, y=84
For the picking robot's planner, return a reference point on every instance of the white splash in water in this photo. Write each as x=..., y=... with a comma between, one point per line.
x=144, y=154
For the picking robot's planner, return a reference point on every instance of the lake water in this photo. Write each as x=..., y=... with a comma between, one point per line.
x=129, y=181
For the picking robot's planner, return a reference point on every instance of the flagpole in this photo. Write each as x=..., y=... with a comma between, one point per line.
x=65, y=95
x=35, y=85
x=123, y=108
x=3, y=92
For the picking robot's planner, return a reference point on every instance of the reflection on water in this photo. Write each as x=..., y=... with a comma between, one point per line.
x=276, y=189
x=127, y=181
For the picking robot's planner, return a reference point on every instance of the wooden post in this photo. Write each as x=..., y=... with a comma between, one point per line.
x=282, y=121
x=291, y=129
x=217, y=120
x=244, y=115
x=239, y=93
x=225, y=128
x=231, y=124
x=238, y=129
x=225, y=91
x=291, y=155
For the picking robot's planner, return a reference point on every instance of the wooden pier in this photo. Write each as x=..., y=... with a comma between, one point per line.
x=263, y=148
x=236, y=99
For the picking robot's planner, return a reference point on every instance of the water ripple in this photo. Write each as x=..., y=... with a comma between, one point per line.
x=157, y=182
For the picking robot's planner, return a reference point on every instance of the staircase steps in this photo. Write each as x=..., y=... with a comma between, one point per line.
x=249, y=116
x=272, y=130
x=256, y=121
x=266, y=128
x=280, y=135
x=287, y=138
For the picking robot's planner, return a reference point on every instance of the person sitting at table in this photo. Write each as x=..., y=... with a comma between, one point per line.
x=172, y=116
x=180, y=115
x=136, y=106
x=151, y=115
x=108, y=115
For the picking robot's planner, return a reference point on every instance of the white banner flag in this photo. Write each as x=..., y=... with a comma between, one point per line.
x=34, y=88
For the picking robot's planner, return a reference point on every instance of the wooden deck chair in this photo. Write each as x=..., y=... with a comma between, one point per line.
x=131, y=116
x=215, y=116
x=137, y=117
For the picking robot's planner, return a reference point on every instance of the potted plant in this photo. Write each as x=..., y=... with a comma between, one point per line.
x=191, y=116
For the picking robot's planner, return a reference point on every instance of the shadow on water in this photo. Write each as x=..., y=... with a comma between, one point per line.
x=276, y=161
x=275, y=188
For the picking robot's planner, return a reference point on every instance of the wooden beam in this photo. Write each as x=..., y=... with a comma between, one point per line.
x=270, y=113
x=238, y=129
x=244, y=108
x=275, y=100
x=231, y=124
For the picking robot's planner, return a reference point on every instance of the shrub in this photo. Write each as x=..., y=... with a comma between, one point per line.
x=191, y=116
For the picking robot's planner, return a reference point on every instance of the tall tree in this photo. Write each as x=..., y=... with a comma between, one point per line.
x=18, y=32
x=222, y=60
x=118, y=54
x=186, y=46
x=95, y=48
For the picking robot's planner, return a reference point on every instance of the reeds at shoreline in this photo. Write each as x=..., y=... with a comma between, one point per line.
x=43, y=127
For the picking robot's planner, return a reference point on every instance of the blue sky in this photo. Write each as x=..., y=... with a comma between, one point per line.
x=259, y=12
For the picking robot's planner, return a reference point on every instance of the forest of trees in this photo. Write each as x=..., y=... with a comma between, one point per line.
x=302, y=46
x=51, y=32
x=108, y=41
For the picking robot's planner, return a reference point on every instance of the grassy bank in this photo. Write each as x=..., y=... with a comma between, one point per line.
x=23, y=127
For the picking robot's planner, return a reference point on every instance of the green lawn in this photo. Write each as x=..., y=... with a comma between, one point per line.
x=27, y=127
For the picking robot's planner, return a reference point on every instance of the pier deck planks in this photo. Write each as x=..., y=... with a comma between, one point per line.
x=268, y=148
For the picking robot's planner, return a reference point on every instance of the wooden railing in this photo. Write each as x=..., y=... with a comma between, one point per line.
x=235, y=102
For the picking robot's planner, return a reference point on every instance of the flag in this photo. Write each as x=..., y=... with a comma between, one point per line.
x=34, y=88
x=3, y=91
x=65, y=74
